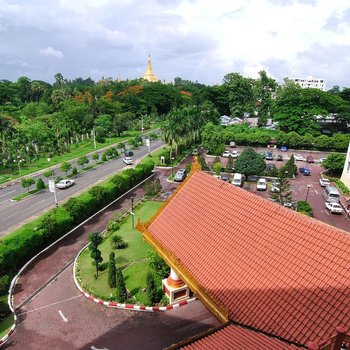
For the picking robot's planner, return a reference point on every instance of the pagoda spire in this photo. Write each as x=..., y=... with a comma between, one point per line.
x=149, y=75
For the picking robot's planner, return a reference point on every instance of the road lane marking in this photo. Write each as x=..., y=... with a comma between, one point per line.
x=53, y=304
x=5, y=194
x=63, y=318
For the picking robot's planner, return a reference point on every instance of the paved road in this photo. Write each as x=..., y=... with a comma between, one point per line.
x=15, y=214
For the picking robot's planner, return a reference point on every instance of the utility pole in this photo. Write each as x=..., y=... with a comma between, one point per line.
x=132, y=212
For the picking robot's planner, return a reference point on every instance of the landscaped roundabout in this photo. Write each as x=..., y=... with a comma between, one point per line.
x=124, y=268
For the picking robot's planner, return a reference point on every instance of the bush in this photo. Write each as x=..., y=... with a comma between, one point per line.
x=122, y=294
x=156, y=263
x=40, y=184
x=152, y=292
x=113, y=226
x=5, y=282
x=104, y=157
x=112, y=279
x=74, y=171
x=304, y=208
x=117, y=242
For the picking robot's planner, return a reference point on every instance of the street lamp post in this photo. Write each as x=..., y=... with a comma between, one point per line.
x=172, y=166
x=307, y=192
x=132, y=212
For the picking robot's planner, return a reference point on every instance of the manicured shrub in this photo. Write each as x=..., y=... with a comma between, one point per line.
x=117, y=242
x=152, y=291
x=122, y=294
x=40, y=184
x=305, y=208
x=112, y=281
x=74, y=171
x=104, y=157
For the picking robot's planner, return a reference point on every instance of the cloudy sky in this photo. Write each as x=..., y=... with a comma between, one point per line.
x=194, y=39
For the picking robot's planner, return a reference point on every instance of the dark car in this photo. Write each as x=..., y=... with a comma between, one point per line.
x=305, y=171
x=270, y=167
x=225, y=178
x=129, y=153
x=284, y=148
x=310, y=159
x=279, y=158
x=269, y=155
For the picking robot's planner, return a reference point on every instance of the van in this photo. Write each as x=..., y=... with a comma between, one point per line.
x=237, y=180
x=331, y=194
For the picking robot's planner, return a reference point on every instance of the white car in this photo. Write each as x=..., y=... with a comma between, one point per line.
x=234, y=154
x=324, y=182
x=261, y=185
x=226, y=154
x=334, y=208
x=65, y=184
x=127, y=160
x=298, y=157
x=275, y=187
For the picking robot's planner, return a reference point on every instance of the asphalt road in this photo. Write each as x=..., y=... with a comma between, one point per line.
x=15, y=214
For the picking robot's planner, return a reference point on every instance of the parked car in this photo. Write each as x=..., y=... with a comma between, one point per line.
x=127, y=160
x=310, y=159
x=180, y=175
x=298, y=157
x=269, y=155
x=232, y=144
x=279, y=157
x=334, y=208
x=284, y=148
x=225, y=178
x=261, y=185
x=226, y=154
x=290, y=205
x=275, y=187
x=324, y=182
x=305, y=171
x=63, y=184
x=234, y=154
x=128, y=153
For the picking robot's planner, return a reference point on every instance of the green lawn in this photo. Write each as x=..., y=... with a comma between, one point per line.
x=135, y=252
x=5, y=325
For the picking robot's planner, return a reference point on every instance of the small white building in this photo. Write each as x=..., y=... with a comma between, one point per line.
x=345, y=178
x=310, y=82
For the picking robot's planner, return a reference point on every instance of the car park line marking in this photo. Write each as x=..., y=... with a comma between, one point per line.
x=49, y=305
x=94, y=348
x=63, y=318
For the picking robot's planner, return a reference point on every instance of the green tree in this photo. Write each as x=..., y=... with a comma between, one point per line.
x=203, y=162
x=241, y=97
x=217, y=167
x=284, y=195
x=95, y=157
x=334, y=163
x=122, y=294
x=121, y=122
x=65, y=167
x=152, y=291
x=82, y=161
x=289, y=169
x=103, y=126
x=305, y=208
x=27, y=182
x=112, y=282
x=156, y=263
x=212, y=139
x=40, y=184
x=230, y=164
x=250, y=163
x=95, y=240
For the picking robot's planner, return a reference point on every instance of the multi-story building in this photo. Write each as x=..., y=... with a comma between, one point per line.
x=310, y=82
x=345, y=178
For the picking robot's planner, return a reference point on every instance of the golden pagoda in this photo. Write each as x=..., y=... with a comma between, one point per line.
x=149, y=75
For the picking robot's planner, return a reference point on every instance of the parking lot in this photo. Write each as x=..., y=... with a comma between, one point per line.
x=303, y=187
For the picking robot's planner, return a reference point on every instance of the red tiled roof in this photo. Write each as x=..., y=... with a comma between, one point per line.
x=238, y=338
x=276, y=270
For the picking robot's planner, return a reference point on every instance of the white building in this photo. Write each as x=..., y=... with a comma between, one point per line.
x=345, y=178
x=310, y=82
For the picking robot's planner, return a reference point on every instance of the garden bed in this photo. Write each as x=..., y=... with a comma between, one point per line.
x=132, y=259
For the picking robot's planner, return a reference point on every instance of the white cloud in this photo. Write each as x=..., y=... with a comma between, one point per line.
x=194, y=39
x=49, y=51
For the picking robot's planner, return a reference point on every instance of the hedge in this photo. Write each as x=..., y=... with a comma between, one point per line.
x=22, y=244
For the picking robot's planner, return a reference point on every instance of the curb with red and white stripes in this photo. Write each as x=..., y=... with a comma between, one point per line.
x=4, y=339
x=116, y=305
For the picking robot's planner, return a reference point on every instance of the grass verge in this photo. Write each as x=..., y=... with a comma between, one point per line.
x=132, y=256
